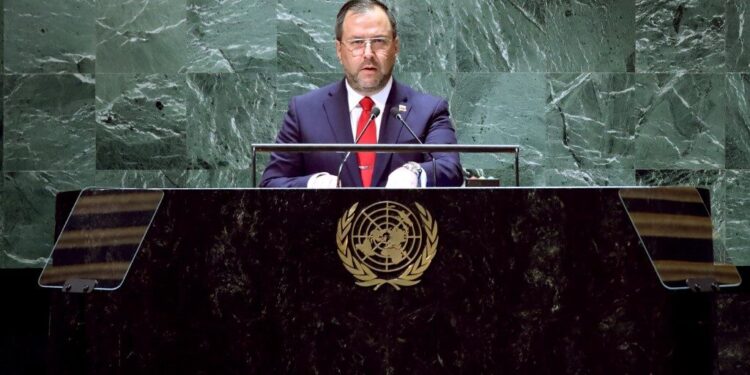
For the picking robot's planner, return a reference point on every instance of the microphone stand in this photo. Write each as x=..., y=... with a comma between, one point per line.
x=373, y=114
x=395, y=113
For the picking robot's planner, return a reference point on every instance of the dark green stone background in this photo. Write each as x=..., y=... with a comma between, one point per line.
x=170, y=93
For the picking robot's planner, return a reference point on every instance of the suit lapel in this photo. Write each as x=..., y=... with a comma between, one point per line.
x=390, y=129
x=337, y=111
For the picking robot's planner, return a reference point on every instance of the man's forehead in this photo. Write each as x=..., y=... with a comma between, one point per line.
x=375, y=18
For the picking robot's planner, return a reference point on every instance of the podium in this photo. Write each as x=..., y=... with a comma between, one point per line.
x=501, y=280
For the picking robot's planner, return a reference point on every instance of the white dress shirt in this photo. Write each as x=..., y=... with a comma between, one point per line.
x=355, y=110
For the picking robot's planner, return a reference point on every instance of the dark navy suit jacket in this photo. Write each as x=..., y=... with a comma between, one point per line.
x=322, y=116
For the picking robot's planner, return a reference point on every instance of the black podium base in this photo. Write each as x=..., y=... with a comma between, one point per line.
x=524, y=280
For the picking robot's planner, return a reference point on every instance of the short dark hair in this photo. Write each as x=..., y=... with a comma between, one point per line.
x=361, y=6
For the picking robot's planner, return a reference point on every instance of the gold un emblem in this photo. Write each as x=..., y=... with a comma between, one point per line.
x=386, y=243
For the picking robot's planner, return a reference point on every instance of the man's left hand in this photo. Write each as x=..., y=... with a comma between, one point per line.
x=402, y=178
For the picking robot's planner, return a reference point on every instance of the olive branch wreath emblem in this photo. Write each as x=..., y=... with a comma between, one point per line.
x=365, y=275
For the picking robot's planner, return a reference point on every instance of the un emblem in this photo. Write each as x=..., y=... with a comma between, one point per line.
x=386, y=243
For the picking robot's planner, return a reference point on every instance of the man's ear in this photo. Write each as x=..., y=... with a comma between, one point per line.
x=338, y=49
x=398, y=44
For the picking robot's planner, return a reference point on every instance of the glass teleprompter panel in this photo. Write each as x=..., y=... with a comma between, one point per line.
x=100, y=239
x=675, y=229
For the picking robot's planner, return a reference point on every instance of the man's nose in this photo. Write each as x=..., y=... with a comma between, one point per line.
x=368, y=50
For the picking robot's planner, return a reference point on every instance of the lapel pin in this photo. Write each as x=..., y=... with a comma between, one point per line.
x=402, y=108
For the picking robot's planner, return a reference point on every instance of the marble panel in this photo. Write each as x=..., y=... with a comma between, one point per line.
x=553, y=36
x=589, y=177
x=680, y=35
x=2, y=36
x=500, y=168
x=442, y=84
x=712, y=179
x=29, y=211
x=219, y=178
x=49, y=122
x=500, y=36
x=590, y=120
x=590, y=36
x=738, y=36
x=530, y=175
x=141, y=36
x=50, y=37
x=427, y=31
x=502, y=108
x=305, y=36
x=227, y=113
x=141, y=179
x=141, y=121
x=681, y=121
x=231, y=36
x=738, y=217
x=738, y=123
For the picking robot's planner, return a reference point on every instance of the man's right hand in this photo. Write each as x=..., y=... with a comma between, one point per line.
x=322, y=180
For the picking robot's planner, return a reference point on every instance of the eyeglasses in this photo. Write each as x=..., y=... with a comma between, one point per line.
x=357, y=46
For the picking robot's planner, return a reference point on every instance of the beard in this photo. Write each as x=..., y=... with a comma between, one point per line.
x=369, y=85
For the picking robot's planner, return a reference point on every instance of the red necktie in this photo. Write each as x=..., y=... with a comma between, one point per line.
x=366, y=160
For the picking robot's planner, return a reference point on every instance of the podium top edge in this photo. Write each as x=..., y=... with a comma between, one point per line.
x=313, y=147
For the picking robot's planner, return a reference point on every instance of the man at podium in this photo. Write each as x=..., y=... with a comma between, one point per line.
x=368, y=106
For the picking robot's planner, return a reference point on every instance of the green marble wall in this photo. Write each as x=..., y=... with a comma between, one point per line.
x=170, y=93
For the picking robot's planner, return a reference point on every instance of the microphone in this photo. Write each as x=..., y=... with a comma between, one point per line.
x=397, y=114
x=375, y=112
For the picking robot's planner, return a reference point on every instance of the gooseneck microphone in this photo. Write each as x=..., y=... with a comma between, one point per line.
x=375, y=112
x=397, y=114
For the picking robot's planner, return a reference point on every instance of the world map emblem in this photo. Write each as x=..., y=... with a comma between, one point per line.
x=387, y=243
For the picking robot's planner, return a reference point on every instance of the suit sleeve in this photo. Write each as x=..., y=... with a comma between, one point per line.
x=286, y=169
x=447, y=164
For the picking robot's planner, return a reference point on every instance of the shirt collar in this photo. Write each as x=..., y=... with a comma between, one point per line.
x=379, y=98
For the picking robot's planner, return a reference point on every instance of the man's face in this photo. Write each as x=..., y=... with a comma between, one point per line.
x=368, y=72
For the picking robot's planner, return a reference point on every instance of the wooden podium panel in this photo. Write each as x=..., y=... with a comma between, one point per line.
x=253, y=281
